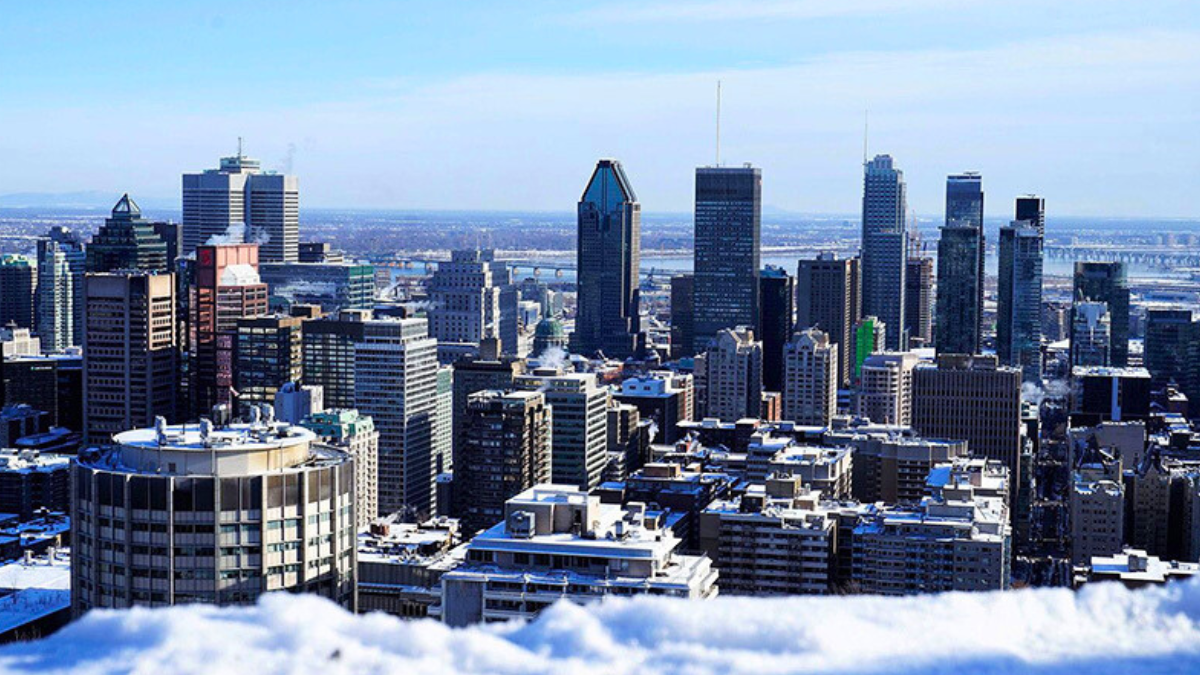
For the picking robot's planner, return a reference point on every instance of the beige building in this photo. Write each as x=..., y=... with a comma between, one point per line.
x=885, y=392
x=729, y=376
x=217, y=515
x=355, y=434
x=810, y=378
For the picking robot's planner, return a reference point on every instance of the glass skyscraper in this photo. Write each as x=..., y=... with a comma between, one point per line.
x=960, y=267
x=884, y=247
x=1106, y=282
x=608, y=257
x=727, y=250
x=1019, y=306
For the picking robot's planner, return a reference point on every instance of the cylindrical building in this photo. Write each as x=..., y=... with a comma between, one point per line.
x=197, y=513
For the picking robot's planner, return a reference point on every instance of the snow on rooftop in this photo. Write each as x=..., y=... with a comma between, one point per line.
x=1103, y=629
x=31, y=591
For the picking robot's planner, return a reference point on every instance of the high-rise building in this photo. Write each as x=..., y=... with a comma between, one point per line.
x=662, y=397
x=225, y=287
x=829, y=297
x=506, y=450
x=960, y=267
x=61, y=264
x=172, y=235
x=683, y=333
x=869, y=335
x=395, y=382
x=918, y=300
x=238, y=203
x=329, y=354
x=1032, y=208
x=578, y=424
x=727, y=250
x=127, y=241
x=211, y=514
x=464, y=299
x=1106, y=282
x=294, y=402
x=729, y=376
x=1097, y=507
x=608, y=254
x=776, y=321
x=333, y=286
x=443, y=432
x=884, y=246
x=355, y=435
x=971, y=398
x=488, y=370
x=1165, y=349
x=130, y=352
x=810, y=378
x=885, y=389
x=1091, y=334
x=18, y=281
x=1019, y=305
x=266, y=356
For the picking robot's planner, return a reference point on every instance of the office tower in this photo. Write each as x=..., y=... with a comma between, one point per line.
x=510, y=304
x=151, y=513
x=960, y=267
x=810, y=378
x=225, y=287
x=1032, y=208
x=266, y=356
x=918, y=300
x=776, y=539
x=464, y=301
x=869, y=335
x=1100, y=393
x=328, y=353
x=61, y=264
x=959, y=539
x=237, y=203
x=578, y=424
x=973, y=399
x=18, y=281
x=355, y=435
x=127, y=241
x=172, y=236
x=1106, y=282
x=395, y=382
x=332, y=286
x=683, y=321
x=727, y=251
x=884, y=247
x=1091, y=334
x=294, y=402
x=319, y=252
x=506, y=450
x=662, y=397
x=729, y=376
x=1165, y=348
x=885, y=390
x=52, y=384
x=545, y=521
x=130, y=352
x=443, y=433
x=489, y=370
x=829, y=297
x=1097, y=507
x=777, y=318
x=1019, y=306
x=608, y=258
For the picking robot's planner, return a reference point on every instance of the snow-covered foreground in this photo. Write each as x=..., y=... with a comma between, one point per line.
x=1103, y=629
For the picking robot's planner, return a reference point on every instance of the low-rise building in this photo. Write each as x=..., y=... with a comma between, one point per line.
x=400, y=565
x=826, y=470
x=35, y=596
x=30, y=480
x=1135, y=568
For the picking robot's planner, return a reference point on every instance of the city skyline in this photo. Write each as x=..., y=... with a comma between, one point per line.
x=943, y=90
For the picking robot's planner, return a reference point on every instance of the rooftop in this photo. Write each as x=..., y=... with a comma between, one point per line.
x=30, y=590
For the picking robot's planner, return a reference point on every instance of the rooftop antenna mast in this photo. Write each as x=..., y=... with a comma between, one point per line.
x=240, y=155
x=718, y=123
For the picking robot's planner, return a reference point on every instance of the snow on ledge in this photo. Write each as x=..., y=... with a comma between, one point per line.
x=1103, y=629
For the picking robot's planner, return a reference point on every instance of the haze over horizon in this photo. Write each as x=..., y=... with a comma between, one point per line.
x=501, y=107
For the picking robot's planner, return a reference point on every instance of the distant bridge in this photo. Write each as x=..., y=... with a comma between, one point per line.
x=1150, y=257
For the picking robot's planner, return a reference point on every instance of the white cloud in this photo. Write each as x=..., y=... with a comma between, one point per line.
x=1101, y=630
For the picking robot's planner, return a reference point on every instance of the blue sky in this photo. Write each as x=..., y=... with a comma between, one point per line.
x=475, y=105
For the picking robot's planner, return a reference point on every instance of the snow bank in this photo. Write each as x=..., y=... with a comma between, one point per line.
x=1103, y=629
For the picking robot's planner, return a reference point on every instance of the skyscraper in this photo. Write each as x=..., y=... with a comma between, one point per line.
x=266, y=356
x=464, y=300
x=918, y=300
x=776, y=320
x=127, y=242
x=729, y=376
x=727, y=250
x=18, y=281
x=1019, y=306
x=489, y=370
x=960, y=267
x=1166, y=351
x=328, y=353
x=1091, y=334
x=578, y=424
x=829, y=297
x=608, y=255
x=130, y=352
x=683, y=332
x=884, y=244
x=59, y=296
x=1032, y=208
x=237, y=203
x=885, y=391
x=810, y=378
x=1106, y=282
x=395, y=382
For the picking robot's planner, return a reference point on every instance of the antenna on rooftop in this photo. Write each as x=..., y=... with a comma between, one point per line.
x=240, y=147
x=718, y=123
